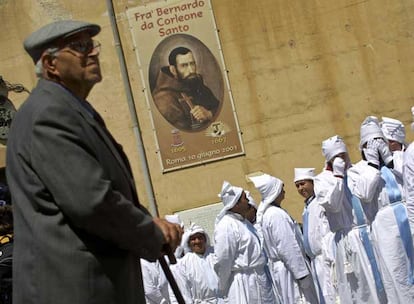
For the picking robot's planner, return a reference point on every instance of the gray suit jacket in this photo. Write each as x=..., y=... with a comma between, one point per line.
x=79, y=228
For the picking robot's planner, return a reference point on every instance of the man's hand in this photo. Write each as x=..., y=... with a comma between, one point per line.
x=172, y=232
x=201, y=114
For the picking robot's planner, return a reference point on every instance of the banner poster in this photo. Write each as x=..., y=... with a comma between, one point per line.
x=185, y=82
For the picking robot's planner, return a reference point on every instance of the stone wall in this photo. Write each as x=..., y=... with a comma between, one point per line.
x=300, y=72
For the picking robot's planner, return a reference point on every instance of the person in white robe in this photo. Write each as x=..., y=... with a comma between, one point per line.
x=155, y=283
x=408, y=177
x=390, y=228
x=394, y=132
x=194, y=272
x=393, y=240
x=365, y=183
x=408, y=195
x=239, y=259
x=287, y=262
x=357, y=276
x=316, y=235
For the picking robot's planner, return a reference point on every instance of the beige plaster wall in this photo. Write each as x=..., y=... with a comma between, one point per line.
x=300, y=71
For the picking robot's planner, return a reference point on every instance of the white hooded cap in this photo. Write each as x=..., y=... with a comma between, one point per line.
x=269, y=187
x=393, y=129
x=190, y=231
x=370, y=129
x=229, y=195
x=333, y=146
x=303, y=174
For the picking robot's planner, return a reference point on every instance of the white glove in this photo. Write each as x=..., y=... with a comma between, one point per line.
x=371, y=152
x=338, y=167
x=384, y=151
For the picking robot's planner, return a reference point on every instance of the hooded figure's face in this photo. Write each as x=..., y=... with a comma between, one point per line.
x=280, y=197
x=394, y=145
x=197, y=243
x=242, y=206
x=251, y=214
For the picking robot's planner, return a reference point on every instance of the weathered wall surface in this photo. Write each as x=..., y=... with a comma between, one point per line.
x=300, y=71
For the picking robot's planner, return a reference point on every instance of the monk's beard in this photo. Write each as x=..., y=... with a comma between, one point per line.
x=193, y=82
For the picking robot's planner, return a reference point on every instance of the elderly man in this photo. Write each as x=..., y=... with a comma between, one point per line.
x=194, y=272
x=283, y=244
x=181, y=95
x=79, y=226
x=316, y=235
x=240, y=262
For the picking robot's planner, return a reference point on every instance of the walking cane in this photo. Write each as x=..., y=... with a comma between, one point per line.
x=169, y=275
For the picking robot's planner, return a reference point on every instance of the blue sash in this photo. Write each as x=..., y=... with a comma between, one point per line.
x=363, y=234
x=306, y=244
x=320, y=291
x=401, y=217
x=308, y=249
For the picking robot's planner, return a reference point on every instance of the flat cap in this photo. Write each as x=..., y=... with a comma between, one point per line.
x=44, y=37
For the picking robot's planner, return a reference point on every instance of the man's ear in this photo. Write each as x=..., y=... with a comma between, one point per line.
x=49, y=64
x=173, y=70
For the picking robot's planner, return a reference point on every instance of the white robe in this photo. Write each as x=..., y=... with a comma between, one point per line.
x=392, y=255
x=364, y=181
x=197, y=279
x=330, y=195
x=240, y=263
x=353, y=271
x=318, y=230
x=408, y=177
x=286, y=259
x=155, y=283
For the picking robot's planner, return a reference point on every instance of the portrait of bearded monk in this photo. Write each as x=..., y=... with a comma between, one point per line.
x=181, y=95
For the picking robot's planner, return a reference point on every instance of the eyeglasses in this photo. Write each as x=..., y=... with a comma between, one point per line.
x=83, y=47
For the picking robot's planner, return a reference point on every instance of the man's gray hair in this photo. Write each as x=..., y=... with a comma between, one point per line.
x=39, y=64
